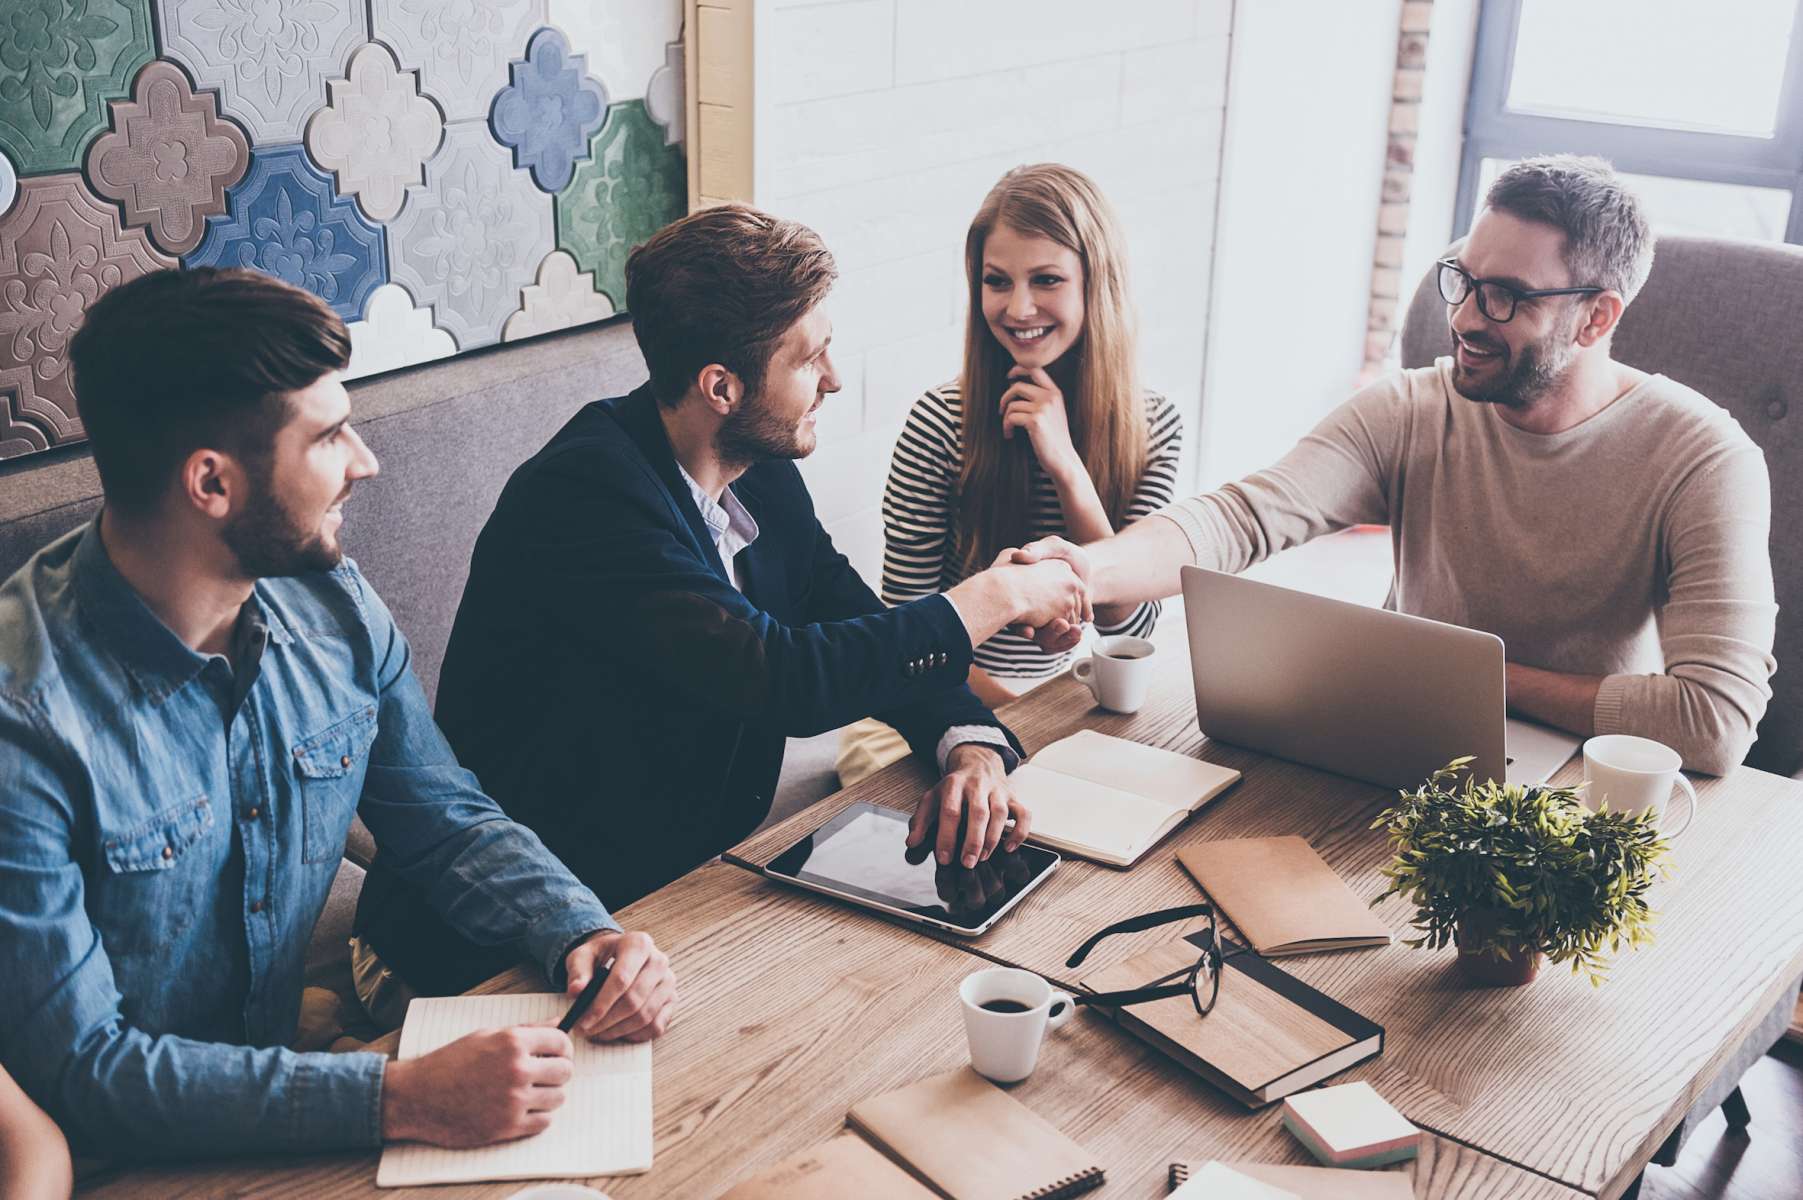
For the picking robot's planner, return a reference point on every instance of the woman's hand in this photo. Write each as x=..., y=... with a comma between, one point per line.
x=1032, y=402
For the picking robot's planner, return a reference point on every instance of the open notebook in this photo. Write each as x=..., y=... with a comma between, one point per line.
x=1109, y=799
x=603, y=1128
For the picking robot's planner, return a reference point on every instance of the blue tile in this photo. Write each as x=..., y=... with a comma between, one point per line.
x=285, y=218
x=549, y=110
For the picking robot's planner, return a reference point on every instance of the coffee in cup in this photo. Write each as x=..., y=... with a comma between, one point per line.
x=1006, y=1015
x=1118, y=672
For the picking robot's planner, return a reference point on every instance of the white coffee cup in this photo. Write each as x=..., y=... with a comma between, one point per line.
x=1633, y=774
x=1004, y=1046
x=1118, y=672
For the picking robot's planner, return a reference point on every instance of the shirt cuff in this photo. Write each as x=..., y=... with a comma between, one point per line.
x=981, y=735
x=1611, y=698
x=1186, y=516
x=336, y=1100
x=556, y=933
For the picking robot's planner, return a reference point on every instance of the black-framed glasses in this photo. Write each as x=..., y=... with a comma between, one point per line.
x=1201, y=982
x=1495, y=300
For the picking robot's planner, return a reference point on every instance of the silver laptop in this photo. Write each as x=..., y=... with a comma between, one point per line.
x=1361, y=691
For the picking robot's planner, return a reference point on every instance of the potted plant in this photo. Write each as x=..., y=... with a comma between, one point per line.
x=1519, y=874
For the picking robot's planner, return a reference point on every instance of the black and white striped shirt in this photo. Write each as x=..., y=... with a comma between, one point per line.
x=920, y=544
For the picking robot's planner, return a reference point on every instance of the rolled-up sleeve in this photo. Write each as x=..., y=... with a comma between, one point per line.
x=1716, y=626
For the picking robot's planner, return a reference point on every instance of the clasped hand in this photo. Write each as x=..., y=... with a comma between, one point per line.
x=1059, y=633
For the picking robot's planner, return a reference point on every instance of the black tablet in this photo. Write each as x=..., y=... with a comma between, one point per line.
x=861, y=856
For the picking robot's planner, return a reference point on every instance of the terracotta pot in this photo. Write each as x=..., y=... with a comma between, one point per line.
x=1488, y=968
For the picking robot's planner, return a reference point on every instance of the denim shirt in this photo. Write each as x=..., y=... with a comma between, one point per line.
x=169, y=829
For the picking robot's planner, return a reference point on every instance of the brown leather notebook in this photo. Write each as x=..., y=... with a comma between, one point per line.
x=1314, y=1183
x=973, y=1141
x=845, y=1166
x=1280, y=894
x=1268, y=1034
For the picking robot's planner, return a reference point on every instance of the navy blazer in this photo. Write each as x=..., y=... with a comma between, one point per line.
x=614, y=692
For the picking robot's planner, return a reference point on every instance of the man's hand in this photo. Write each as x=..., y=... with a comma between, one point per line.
x=975, y=793
x=639, y=997
x=1054, y=547
x=1059, y=634
x=1011, y=593
x=490, y=1086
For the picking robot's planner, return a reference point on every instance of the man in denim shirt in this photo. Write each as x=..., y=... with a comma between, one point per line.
x=197, y=693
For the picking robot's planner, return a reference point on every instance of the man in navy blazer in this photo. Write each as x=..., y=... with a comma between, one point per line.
x=654, y=607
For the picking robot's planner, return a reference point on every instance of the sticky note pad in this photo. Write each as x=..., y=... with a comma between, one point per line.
x=1350, y=1126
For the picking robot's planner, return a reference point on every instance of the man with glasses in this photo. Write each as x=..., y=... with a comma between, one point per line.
x=1609, y=525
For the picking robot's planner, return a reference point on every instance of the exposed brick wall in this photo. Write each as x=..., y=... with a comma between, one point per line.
x=1387, y=285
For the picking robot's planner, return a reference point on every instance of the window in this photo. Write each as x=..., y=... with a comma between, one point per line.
x=1699, y=106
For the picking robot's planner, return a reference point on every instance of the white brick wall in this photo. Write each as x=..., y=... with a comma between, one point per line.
x=882, y=123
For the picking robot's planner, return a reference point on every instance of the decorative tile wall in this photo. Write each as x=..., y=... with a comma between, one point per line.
x=446, y=174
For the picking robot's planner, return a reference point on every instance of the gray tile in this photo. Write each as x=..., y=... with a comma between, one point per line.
x=461, y=51
x=270, y=62
x=377, y=131
x=472, y=238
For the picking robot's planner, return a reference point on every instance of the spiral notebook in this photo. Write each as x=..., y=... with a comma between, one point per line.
x=1312, y=1183
x=603, y=1128
x=972, y=1141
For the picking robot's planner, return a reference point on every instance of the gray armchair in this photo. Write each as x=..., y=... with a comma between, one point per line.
x=1722, y=317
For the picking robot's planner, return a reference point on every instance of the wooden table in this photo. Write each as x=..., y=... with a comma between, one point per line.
x=793, y=1010
x=1576, y=1084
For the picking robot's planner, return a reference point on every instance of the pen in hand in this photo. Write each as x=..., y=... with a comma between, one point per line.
x=585, y=1000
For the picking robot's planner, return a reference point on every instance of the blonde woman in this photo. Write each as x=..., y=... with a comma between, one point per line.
x=1045, y=431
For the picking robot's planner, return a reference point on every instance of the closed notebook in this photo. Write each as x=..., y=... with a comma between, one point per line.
x=1314, y=1183
x=973, y=1141
x=603, y=1128
x=1280, y=894
x=1268, y=1034
x=1110, y=799
x=845, y=1166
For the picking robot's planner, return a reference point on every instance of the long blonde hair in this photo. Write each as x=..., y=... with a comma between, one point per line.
x=1106, y=412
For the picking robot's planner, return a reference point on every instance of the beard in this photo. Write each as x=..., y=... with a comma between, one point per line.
x=268, y=540
x=754, y=433
x=1531, y=373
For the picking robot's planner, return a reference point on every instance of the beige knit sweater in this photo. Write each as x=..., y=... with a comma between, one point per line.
x=1633, y=546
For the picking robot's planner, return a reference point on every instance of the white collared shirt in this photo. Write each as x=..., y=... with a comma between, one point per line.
x=733, y=528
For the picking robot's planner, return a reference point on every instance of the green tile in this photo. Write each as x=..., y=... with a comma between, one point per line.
x=60, y=62
x=631, y=186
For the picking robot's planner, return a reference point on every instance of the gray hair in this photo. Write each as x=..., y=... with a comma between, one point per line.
x=1608, y=242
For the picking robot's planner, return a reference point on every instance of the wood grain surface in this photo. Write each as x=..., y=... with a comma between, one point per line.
x=1575, y=1083
x=793, y=1011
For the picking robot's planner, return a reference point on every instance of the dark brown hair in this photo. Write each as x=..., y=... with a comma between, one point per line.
x=722, y=286
x=177, y=360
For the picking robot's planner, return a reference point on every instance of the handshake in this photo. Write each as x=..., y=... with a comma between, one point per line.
x=1041, y=590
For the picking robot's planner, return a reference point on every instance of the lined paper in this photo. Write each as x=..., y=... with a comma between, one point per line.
x=603, y=1128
